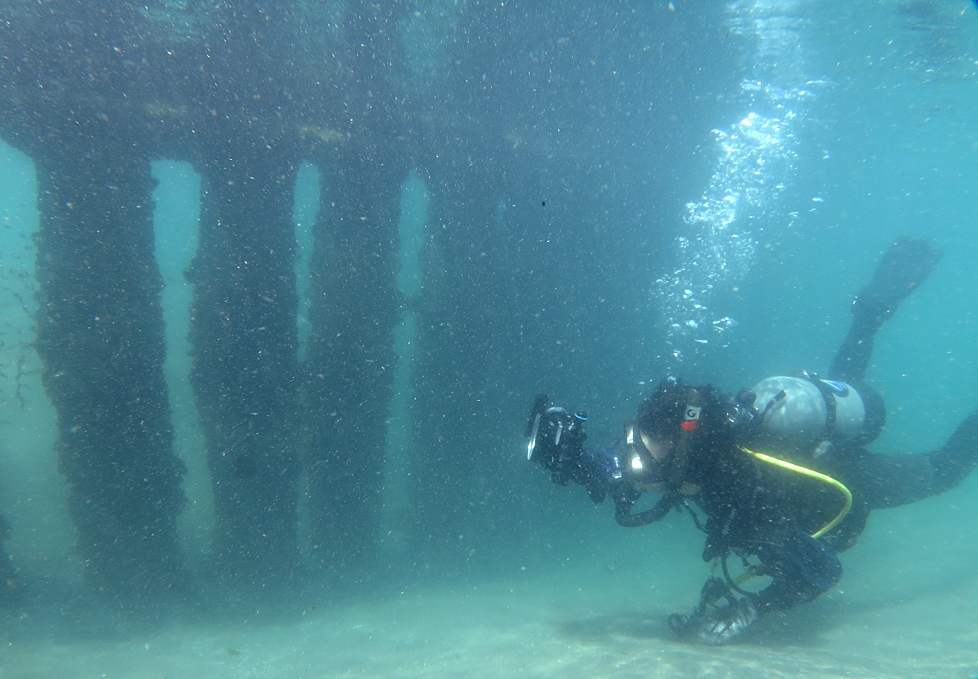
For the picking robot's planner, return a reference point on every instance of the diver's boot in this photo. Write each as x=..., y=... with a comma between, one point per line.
x=904, y=266
x=723, y=625
x=718, y=625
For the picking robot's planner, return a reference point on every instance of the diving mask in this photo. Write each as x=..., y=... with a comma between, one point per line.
x=644, y=467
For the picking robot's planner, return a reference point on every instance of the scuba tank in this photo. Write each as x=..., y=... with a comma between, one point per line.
x=809, y=415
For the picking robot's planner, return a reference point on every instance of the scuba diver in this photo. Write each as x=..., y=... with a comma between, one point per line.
x=791, y=508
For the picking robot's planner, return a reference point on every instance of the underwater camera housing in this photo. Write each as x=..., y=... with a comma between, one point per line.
x=555, y=438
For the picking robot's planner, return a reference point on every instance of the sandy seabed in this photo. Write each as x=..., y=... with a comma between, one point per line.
x=530, y=630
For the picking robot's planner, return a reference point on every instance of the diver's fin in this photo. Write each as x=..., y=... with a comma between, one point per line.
x=904, y=266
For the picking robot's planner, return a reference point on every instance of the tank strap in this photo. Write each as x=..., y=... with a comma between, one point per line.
x=831, y=407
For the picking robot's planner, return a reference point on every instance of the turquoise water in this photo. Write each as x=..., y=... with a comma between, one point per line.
x=866, y=129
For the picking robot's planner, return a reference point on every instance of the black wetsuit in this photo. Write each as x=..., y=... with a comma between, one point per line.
x=757, y=509
x=754, y=508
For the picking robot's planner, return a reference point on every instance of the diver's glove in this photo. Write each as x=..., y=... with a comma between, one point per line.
x=716, y=626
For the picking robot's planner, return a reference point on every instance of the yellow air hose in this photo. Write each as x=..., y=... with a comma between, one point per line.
x=811, y=473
